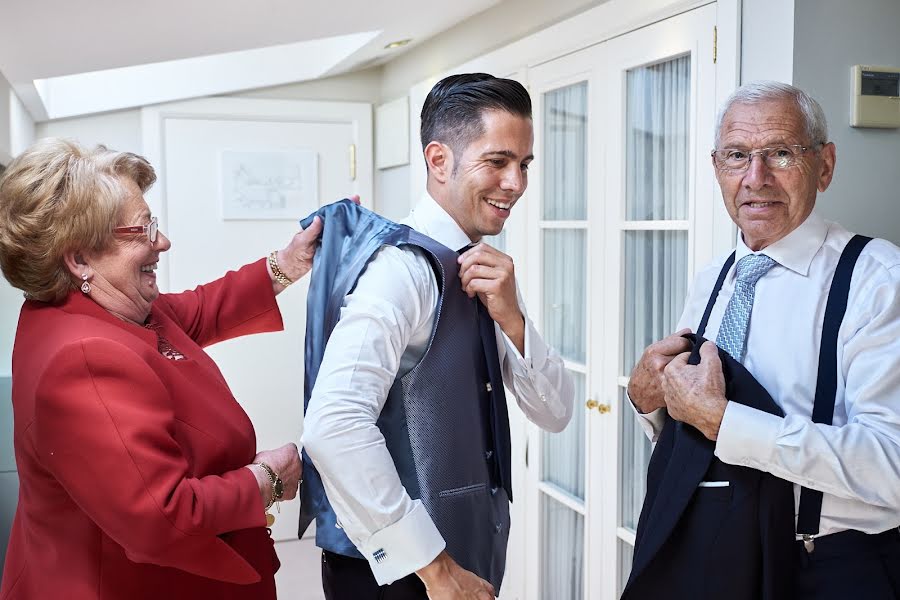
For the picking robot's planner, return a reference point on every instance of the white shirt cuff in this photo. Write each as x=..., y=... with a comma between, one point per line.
x=535, y=354
x=652, y=422
x=747, y=436
x=404, y=547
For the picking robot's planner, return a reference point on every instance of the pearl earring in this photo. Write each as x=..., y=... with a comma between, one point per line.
x=85, y=287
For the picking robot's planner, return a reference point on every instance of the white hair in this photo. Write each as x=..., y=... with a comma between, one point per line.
x=756, y=92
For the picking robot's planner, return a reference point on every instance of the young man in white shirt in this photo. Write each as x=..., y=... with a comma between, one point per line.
x=477, y=139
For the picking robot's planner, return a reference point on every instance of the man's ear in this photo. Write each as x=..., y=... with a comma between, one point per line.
x=439, y=158
x=826, y=172
x=76, y=264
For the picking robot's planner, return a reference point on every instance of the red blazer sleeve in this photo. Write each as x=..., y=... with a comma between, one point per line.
x=104, y=427
x=240, y=303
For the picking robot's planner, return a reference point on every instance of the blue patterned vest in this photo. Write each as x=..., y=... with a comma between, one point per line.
x=437, y=417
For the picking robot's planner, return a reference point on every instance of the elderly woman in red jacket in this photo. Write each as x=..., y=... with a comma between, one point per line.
x=139, y=475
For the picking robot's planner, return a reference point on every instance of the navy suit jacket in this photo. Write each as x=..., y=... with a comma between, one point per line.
x=735, y=541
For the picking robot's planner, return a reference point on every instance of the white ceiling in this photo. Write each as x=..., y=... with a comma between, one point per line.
x=96, y=55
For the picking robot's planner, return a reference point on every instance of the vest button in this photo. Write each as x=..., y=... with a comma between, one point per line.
x=488, y=455
x=494, y=490
x=498, y=527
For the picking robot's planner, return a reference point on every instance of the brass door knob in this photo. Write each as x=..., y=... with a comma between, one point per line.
x=591, y=404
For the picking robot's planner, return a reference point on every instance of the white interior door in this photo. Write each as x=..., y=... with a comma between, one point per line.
x=616, y=223
x=658, y=123
x=562, y=252
x=202, y=148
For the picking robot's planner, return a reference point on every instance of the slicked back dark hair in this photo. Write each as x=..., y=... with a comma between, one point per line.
x=452, y=113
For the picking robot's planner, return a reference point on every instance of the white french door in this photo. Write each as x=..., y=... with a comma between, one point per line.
x=617, y=222
x=562, y=256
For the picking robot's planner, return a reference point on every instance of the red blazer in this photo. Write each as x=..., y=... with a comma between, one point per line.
x=131, y=464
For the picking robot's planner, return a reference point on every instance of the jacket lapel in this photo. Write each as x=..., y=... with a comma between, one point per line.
x=691, y=456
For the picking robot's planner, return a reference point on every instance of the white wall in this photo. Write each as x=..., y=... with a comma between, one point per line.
x=496, y=27
x=6, y=96
x=493, y=28
x=120, y=130
x=17, y=132
x=830, y=36
x=21, y=125
x=359, y=86
x=767, y=35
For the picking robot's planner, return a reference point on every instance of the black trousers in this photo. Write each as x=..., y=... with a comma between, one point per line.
x=850, y=564
x=346, y=578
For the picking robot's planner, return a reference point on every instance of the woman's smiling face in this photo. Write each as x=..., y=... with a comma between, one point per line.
x=123, y=277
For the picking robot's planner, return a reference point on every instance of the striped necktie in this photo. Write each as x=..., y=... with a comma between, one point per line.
x=732, y=335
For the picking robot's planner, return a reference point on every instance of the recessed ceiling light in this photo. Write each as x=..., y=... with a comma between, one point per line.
x=397, y=44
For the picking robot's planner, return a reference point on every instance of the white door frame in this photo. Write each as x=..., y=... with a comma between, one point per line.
x=153, y=121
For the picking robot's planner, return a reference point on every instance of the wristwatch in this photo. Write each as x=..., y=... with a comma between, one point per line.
x=277, y=484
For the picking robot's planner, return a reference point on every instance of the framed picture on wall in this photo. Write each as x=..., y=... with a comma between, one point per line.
x=269, y=184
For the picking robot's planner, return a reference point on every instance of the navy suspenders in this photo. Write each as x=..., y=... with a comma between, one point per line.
x=715, y=294
x=826, y=384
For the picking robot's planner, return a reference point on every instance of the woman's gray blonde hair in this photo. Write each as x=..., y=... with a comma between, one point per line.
x=58, y=197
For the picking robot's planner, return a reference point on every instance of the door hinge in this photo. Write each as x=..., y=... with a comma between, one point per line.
x=352, y=162
x=715, y=43
x=526, y=453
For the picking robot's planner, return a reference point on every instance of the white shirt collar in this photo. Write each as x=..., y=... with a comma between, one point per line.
x=795, y=250
x=430, y=218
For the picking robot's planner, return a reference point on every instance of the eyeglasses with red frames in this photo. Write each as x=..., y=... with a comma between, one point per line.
x=150, y=229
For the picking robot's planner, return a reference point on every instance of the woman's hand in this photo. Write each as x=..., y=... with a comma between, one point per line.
x=295, y=260
x=286, y=463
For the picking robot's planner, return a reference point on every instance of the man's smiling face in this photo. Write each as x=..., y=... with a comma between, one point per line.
x=490, y=174
x=767, y=204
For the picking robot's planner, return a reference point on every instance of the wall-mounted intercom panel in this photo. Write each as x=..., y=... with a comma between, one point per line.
x=876, y=96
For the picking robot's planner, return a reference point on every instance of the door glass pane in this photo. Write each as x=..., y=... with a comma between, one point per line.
x=565, y=281
x=562, y=553
x=565, y=153
x=626, y=554
x=655, y=286
x=635, y=457
x=496, y=241
x=563, y=460
x=657, y=141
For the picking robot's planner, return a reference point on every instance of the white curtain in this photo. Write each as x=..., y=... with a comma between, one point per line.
x=658, y=124
x=563, y=460
x=564, y=278
x=655, y=262
x=564, y=293
x=497, y=241
x=655, y=287
x=565, y=154
x=562, y=558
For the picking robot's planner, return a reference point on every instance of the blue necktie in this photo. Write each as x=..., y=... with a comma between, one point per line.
x=497, y=413
x=732, y=335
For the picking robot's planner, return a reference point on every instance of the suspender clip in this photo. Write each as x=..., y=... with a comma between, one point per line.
x=809, y=543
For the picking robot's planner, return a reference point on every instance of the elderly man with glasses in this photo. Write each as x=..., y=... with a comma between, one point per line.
x=776, y=471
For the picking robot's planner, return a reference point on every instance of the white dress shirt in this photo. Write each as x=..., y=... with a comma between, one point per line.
x=383, y=331
x=855, y=461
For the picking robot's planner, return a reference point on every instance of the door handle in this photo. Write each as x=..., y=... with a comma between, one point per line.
x=601, y=408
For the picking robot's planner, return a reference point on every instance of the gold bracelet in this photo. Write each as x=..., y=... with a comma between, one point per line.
x=280, y=277
x=277, y=492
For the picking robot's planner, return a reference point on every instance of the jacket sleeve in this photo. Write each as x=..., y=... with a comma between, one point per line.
x=240, y=303
x=105, y=429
